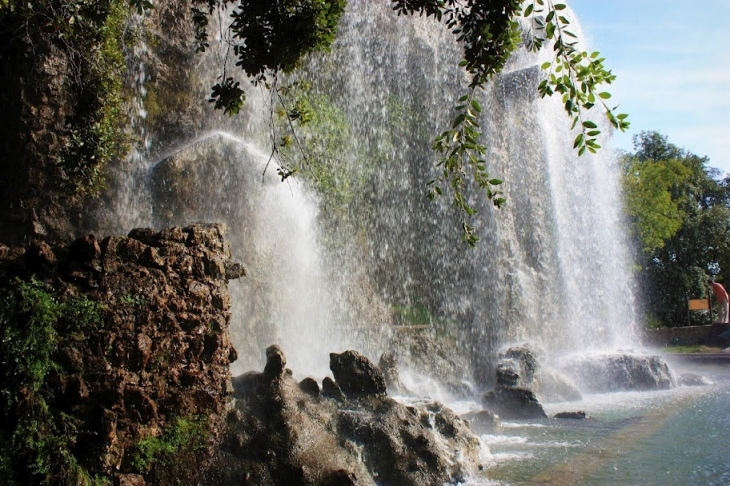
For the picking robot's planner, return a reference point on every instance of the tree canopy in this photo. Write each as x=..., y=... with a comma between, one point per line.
x=680, y=217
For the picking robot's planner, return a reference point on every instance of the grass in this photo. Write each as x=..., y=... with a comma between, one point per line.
x=693, y=349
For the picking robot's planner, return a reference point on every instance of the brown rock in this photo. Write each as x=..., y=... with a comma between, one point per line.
x=129, y=480
x=144, y=350
x=275, y=362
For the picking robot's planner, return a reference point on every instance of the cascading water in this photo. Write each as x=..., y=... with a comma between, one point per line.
x=551, y=268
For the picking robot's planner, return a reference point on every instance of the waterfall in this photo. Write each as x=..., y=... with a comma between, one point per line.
x=552, y=267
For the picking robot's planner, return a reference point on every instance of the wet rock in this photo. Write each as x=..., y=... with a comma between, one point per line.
x=580, y=415
x=332, y=390
x=523, y=361
x=310, y=386
x=508, y=373
x=620, y=372
x=691, y=379
x=234, y=271
x=279, y=433
x=148, y=236
x=356, y=375
x=513, y=403
x=275, y=362
x=389, y=367
x=483, y=421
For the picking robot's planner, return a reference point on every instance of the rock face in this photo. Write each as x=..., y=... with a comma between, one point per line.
x=282, y=433
x=389, y=367
x=483, y=422
x=356, y=375
x=520, y=366
x=514, y=403
x=161, y=353
x=621, y=372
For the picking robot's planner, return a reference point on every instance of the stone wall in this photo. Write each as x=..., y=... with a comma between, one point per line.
x=160, y=354
x=34, y=110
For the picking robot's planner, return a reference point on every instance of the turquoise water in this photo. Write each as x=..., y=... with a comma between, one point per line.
x=676, y=437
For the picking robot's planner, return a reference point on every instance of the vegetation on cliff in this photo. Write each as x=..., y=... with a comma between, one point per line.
x=37, y=438
x=90, y=35
x=114, y=357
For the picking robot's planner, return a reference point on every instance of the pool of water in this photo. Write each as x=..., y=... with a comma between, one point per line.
x=674, y=437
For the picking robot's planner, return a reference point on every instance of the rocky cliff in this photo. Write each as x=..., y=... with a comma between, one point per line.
x=144, y=379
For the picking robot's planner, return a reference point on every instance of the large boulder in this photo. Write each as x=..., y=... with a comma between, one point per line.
x=521, y=361
x=514, y=403
x=280, y=433
x=520, y=366
x=356, y=375
x=483, y=421
x=620, y=372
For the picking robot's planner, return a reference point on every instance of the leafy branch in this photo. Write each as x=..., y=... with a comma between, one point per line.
x=573, y=73
x=576, y=75
x=463, y=155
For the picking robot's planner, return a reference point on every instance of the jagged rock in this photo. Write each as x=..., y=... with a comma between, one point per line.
x=523, y=361
x=310, y=386
x=129, y=480
x=389, y=367
x=279, y=434
x=40, y=257
x=513, y=403
x=483, y=421
x=341, y=477
x=620, y=372
x=580, y=415
x=332, y=390
x=691, y=379
x=508, y=373
x=159, y=350
x=275, y=362
x=520, y=366
x=356, y=375
x=234, y=271
x=85, y=249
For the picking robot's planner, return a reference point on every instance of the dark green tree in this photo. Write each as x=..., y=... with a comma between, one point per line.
x=680, y=218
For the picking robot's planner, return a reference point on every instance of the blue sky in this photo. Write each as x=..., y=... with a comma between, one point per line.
x=672, y=62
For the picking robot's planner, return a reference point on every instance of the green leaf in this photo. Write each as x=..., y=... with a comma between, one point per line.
x=546, y=65
x=559, y=6
x=589, y=124
x=578, y=140
x=529, y=9
x=477, y=107
x=604, y=95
